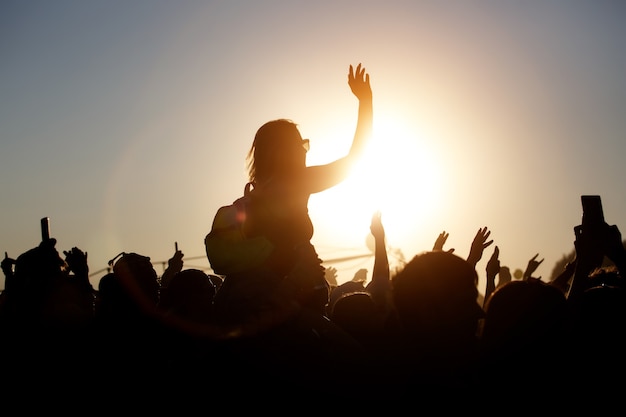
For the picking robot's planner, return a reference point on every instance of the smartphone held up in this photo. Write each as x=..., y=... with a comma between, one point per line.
x=45, y=229
x=593, y=222
x=593, y=214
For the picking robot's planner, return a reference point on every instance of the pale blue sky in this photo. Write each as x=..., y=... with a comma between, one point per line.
x=128, y=122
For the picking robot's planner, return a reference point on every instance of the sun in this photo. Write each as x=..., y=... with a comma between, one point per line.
x=399, y=176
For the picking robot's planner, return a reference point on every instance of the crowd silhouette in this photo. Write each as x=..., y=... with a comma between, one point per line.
x=278, y=325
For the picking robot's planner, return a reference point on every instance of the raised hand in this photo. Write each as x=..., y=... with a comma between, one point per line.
x=174, y=265
x=492, y=269
x=504, y=275
x=380, y=274
x=441, y=240
x=532, y=266
x=376, y=227
x=76, y=260
x=479, y=244
x=359, y=82
x=7, y=265
x=176, y=261
x=493, y=265
x=380, y=285
x=330, y=274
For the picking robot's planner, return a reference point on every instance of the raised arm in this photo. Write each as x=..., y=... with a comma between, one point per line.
x=381, y=262
x=479, y=244
x=174, y=265
x=380, y=285
x=7, y=267
x=492, y=270
x=591, y=248
x=359, y=82
x=589, y=255
x=322, y=177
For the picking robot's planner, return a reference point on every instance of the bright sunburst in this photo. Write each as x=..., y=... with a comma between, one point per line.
x=399, y=175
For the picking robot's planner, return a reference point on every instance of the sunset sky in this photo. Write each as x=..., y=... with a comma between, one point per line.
x=128, y=122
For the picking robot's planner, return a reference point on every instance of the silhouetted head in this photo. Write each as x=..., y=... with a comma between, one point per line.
x=524, y=315
x=190, y=295
x=138, y=277
x=525, y=334
x=108, y=286
x=600, y=312
x=355, y=312
x=598, y=343
x=435, y=296
x=112, y=297
x=278, y=150
x=606, y=276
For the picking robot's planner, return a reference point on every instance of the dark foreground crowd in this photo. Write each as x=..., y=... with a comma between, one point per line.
x=419, y=335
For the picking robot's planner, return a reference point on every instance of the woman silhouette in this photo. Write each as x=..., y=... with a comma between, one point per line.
x=282, y=182
x=270, y=253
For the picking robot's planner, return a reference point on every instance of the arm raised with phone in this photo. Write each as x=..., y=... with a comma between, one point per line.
x=594, y=240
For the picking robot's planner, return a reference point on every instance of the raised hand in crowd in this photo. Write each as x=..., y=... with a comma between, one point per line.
x=492, y=270
x=479, y=244
x=380, y=285
x=359, y=82
x=532, y=266
x=589, y=256
x=504, y=275
x=330, y=273
x=380, y=275
x=77, y=263
x=441, y=241
x=174, y=265
x=591, y=249
x=7, y=265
